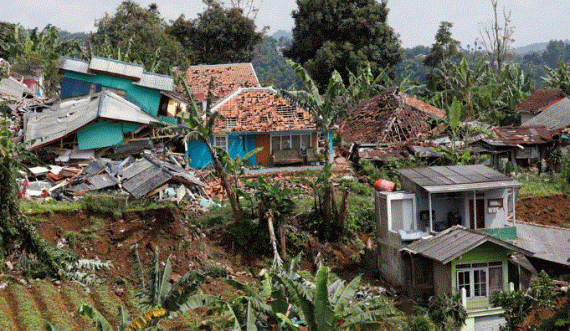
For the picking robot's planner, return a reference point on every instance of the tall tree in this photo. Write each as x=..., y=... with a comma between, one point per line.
x=144, y=29
x=342, y=35
x=497, y=36
x=218, y=35
x=444, y=48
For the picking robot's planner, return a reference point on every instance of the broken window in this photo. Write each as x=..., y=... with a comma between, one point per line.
x=231, y=122
x=286, y=111
x=221, y=142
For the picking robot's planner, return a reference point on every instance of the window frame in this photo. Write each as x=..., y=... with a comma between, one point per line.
x=287, y=143
x=225, y=143
x=468, y=276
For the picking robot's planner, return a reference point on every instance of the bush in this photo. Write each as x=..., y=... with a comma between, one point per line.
x=249, y=236
x=110, y=204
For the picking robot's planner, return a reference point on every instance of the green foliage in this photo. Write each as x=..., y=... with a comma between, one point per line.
x=159, y=292
x=558, y=78
x=417, y=323
x=560, y=321
x=342, y=35
x=444, y=48
x=249, y=236
x=218, y=35
x=271, y=67
x=141, y=36
x=447, y=311
x=215, y=270
x=517, y=305
x=272, y=197
x=109, y=204
x=542, y=185
x=324, y=307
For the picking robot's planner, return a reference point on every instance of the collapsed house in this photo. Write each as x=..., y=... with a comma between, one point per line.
x=388, y=119
x=522, y=145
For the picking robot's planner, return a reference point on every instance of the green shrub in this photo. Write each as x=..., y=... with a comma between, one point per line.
x=296, y=241
x=109, y=204
x=215, y=270
x=249, y=236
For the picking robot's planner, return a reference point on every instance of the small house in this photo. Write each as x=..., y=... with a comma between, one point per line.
x=539, y=101
x=463, y=261
x=254, y=117
x=522, y=145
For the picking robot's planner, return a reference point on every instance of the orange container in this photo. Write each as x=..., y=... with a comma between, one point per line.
x=384, y=185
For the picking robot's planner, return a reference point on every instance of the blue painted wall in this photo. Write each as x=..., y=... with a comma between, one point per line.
x=103, y=134
x=74, y=84
x=238, y=144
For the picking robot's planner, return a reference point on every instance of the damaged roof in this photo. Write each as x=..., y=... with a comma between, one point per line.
x=132, y=71
x=539, y=100
x=425, y=107
x=68, y=117
x=257, y=110
x=450, y=244
x=145, y=175
x=440, y=179
x=547, y=243
x=555, y=117
x=386, y=118
x=227, y=78
x=514, y=136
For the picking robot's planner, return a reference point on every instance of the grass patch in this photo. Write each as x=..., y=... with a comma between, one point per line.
x=33, y=206
x=75, y=298
x=6, y=322
x=542, y=185
x=107, y=302
x=56, y=312
x=216, y=216
x=85, y=234
x=25, y=309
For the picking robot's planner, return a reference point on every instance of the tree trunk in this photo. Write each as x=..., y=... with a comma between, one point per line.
x=343, y=210
x=328, y=197
x=282, y=240
x=232, y=196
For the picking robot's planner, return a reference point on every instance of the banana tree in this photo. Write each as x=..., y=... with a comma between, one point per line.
x=326, y=111
x=330, y=308
x=201, y=126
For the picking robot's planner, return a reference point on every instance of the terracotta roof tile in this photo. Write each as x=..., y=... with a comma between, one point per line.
x=227, y=78
x=385, y=118
x=539, y=100
x=523, y=135
x=257, y=110
x=425, y=107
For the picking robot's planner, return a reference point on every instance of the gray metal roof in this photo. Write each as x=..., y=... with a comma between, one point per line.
x=120, y=68
x=156, y=81
x=69, y=64
x=442, y=179
x=554, y=117
x=547, y=243
x=132, y=71
x=450, y=244
x=145, y=175
x=70, y=116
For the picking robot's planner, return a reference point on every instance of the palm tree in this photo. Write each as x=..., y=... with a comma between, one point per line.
x=327, y=112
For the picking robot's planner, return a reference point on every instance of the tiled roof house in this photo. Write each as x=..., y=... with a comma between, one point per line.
x=537, y=102
x=254, y=117
x=227, y=79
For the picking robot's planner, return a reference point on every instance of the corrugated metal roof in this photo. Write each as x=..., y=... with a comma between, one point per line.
x=156, y=81
x=70, y=116
x=442, y=179
x=69, y=64
x=450, y=244
x=520, y=135
x=547, y=243
x=555, y=117
x=114, y=67
x=111, y=67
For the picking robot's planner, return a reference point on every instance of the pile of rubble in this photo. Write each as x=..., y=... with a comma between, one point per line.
x=144, y=177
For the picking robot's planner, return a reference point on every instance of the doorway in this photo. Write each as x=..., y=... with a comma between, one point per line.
x=480, y=208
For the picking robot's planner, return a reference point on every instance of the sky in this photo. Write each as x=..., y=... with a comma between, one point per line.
x=416, y=21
